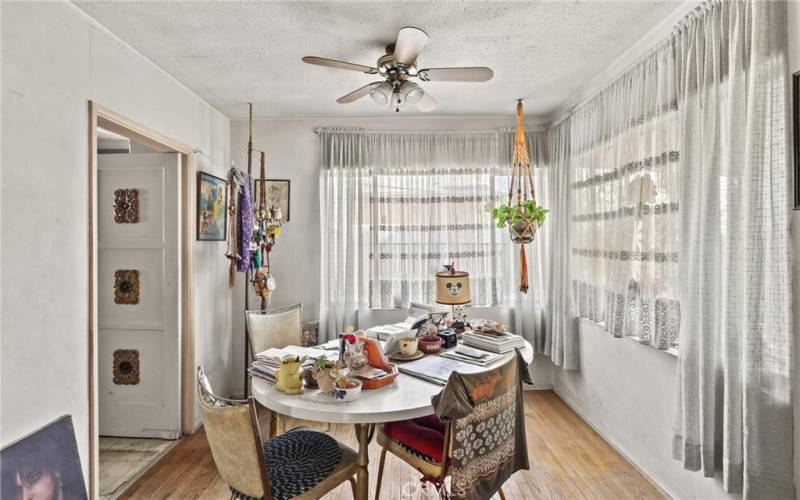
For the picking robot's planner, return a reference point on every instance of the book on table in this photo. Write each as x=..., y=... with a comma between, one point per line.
x=436, y=369
x=494, y=342
x=467, y=354
x=417, y=315
x=267, y=362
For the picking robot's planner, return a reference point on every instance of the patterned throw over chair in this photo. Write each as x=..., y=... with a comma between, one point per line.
x=274, y=328
x=301, y=464
x=477, y=436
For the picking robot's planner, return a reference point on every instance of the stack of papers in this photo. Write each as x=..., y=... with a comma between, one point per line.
x=474, y=356
x=494, y=342
x=266, y=362
x=436, y=369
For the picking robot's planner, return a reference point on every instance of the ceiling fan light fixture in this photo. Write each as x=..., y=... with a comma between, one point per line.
x=411, y=92
x=381, y=93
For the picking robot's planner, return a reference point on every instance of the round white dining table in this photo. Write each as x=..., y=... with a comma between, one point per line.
x=407, y=397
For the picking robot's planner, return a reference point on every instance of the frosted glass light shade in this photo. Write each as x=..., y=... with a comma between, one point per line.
x=381, y=93
x=411, y=92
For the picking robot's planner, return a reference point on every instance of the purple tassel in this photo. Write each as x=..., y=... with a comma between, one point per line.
x=244, y=226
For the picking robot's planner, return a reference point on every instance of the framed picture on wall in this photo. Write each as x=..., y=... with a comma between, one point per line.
x=796, y=134
x=278, y=195
x=212, y=208
x=43, y=464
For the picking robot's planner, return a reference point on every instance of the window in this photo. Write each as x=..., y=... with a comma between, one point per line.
x=421, y=219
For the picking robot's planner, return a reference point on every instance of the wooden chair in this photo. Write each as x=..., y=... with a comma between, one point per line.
x=428, y=444
x=300, y=464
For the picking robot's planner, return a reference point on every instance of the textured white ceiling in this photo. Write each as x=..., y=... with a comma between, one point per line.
x=231, y=53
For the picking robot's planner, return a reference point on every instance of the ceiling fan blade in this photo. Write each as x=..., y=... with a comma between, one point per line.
x=357, y=94
x=427, y=103
x=455, y=74
x=410, y=42
x=333, y=63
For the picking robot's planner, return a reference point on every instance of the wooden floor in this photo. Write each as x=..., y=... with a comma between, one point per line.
x=568, y=460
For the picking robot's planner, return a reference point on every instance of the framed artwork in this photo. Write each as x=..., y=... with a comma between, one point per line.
x=278, y=192
x=796, y=128
x=44, y=464
x=212, y=208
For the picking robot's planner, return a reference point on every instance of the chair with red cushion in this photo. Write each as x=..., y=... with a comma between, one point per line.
x=436, y=448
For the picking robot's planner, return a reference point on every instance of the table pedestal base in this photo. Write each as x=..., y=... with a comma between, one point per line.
x=364, y=433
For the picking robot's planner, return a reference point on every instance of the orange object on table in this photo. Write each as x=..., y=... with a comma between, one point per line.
x=376, y=358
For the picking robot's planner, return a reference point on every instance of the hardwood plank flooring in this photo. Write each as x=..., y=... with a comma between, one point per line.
x=568, y=461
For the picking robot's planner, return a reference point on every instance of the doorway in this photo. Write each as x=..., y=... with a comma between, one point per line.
x=141, y=371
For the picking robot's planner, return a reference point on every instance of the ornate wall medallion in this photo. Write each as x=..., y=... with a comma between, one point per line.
x=126, y=206
x=126, y=286
x=126, y=367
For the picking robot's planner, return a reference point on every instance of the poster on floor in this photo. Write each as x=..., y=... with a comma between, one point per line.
x=43, y=464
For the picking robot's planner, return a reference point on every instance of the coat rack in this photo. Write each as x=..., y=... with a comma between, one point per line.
x=254, y=229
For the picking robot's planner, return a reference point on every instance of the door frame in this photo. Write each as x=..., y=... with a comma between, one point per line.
x=101, y=116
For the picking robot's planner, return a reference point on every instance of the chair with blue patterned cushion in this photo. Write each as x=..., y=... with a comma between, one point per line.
x=300, y=464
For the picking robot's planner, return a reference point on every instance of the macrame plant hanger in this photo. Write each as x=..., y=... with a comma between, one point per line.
x=522, y=231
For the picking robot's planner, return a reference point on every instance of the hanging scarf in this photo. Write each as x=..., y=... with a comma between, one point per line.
x=245, y=225
x=232, y=253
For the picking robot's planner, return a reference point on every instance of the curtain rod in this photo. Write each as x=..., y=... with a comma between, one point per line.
x=530, y=128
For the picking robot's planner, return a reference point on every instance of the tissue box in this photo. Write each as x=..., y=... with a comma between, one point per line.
x=450, y=338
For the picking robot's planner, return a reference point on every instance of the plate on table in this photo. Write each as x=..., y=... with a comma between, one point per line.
x=399, y=356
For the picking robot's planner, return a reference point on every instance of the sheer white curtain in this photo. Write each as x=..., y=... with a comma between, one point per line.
x=430, y=204
x=735, y=365
x=624, y=201
x=395, y=207
x=344, y=228
x=561, y=329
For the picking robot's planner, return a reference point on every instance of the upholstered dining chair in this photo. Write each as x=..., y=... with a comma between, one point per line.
x=277, y=327
x=477, y=436
x=300, y=464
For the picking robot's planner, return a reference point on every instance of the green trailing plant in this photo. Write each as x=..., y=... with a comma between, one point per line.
x=512, y=214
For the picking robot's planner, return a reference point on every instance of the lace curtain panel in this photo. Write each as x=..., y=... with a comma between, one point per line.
x=430, y=203
x=735, y=365
x=398, y=205
x=624, y=187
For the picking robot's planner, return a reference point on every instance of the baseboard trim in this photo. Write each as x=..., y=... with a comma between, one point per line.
x=614, y=444
x=537, y=387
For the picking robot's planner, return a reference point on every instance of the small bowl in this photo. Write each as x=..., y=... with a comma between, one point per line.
x=430, y=344
x=347, y=389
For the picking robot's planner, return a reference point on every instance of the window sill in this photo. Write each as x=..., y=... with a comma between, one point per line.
x=672, y=351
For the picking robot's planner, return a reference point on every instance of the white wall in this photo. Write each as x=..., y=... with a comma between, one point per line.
x=292, y=153
x=627, y=390
x=54, y=60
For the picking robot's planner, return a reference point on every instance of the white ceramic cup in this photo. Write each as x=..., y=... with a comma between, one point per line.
x=408, y=347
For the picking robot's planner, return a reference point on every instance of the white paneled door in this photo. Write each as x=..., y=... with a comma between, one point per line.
x=139, y=295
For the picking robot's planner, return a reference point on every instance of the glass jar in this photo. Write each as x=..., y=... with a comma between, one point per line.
x=355, y=357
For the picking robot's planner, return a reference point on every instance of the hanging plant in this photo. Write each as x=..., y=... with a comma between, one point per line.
x=523, y=215
x=522, y=219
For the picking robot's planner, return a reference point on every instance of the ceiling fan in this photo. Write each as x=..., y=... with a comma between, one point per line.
x=397, y=67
